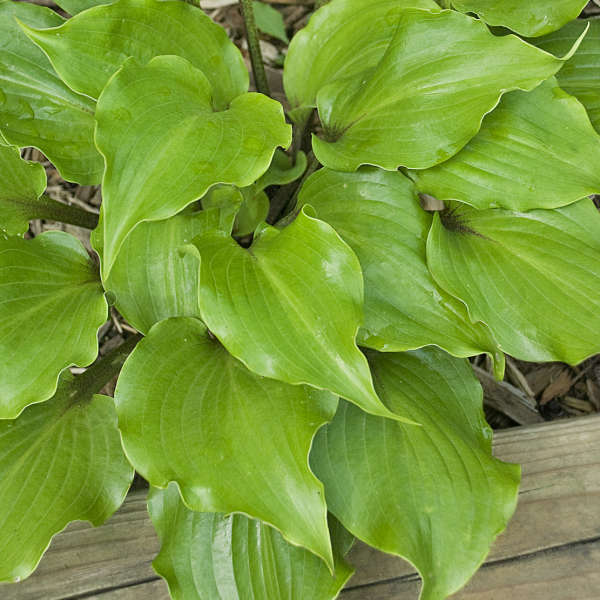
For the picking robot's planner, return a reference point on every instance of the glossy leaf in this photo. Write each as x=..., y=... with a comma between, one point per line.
x=579, y=76
x=417, y=107
x=289, y=307
x=377, y=214
x=36, y=107
x=536, y=150
x=60, y=461
x=51, y=306
x=530, y=18
x=343, y=39
x=533, y=277
x=233, y=441
x=253, y=211
x=22, y=182
x=218, y=557
x=152, y=279
x=270, y=21
x=90, y=47
x=433, y=494
x=163, y=111
x=282, y=170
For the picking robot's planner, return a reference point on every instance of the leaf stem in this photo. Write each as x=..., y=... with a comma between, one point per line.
x=258, y=67
x=93, y=379
x=65, y=213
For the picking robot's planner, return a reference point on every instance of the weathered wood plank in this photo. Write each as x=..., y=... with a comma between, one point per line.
x=558, y=507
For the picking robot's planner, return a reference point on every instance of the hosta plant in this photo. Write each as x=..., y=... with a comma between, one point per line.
x=308, y=281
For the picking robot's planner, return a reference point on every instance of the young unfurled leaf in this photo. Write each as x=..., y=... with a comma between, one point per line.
x=289, y=307
x=22, y=182
x=36, y=107
x=60, y=461
x=213, y=556
x=530, y=18
x=270, y=21
x=417, y=106
x=538, y=149
x=433, y=494
x=579, y=76
x=343, y=39
x=165, y=145
x=90, y=47
x=377, y=213
x=232, y=440
x=152, y=279
x=51, y=306
x=533, y=277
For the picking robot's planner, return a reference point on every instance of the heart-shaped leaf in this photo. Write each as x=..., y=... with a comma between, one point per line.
x=90, y=47
x=530, y=18
x=520, y=159
x=22, y=182
x=36, y=107
x=152, y=279
x=417, y=106
x=233, y=441
x=433, y=494
x=213, y=556
x=533, y=277
x=289, y=307
x=377, y=213
x=51, y=306
x=343, y=39
x=60, y=461
x=579, y=76
x=165, y=145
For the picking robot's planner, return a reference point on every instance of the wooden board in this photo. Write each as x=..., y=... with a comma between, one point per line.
x=550, y=551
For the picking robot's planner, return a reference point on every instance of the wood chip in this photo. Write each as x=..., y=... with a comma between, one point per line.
x=559, y=387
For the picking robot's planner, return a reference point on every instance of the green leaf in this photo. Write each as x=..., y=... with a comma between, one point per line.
x=90, y=47
x=377, y=214
x=282, y=170
x=343, y=39
x=60, y=461
x=270, y=21
x=165, y=146
x=579, y=76
x=22, y=182
x=51, y=306
x=151, y=278
x=530, y=18
x=36, y=107
x=233, y=441
x=289, y=307
x=213, y=556
x=417, y=106
x=433, y=494
x=536, y=150
x=253, y=211
x=255, y=207
x=533, y=277
x=74, y=7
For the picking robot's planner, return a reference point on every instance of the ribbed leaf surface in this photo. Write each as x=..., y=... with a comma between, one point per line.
x=218, y=557
x=432, y=494
x=51, y=306
x=60, y=461
x=233, y=441
x=533, y=277
x=377, y=213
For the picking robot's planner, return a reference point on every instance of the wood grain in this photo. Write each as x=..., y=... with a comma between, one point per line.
x=550, y=551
